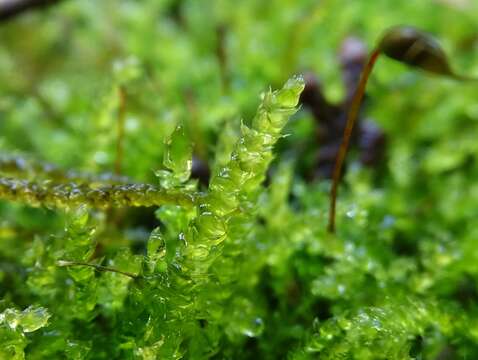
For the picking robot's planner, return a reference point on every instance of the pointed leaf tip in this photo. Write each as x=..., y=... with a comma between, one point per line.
x=178, y=154
x=288, y=96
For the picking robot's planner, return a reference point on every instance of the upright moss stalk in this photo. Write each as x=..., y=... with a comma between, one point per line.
x=233, y=188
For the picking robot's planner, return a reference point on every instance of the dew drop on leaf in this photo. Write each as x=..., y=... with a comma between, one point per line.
x=254, y=328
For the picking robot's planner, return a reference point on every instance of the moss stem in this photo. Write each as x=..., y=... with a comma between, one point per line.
x=100, y=268
x=55, y=195
x=351, y=118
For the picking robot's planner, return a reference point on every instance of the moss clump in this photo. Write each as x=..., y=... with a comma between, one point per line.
x=150, y=209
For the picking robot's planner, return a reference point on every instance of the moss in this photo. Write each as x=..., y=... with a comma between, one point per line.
x=113, y=247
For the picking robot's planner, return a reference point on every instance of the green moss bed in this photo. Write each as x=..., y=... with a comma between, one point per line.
x=164, y=183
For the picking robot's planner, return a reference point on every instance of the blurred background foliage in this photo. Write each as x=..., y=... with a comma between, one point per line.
x=401, y=273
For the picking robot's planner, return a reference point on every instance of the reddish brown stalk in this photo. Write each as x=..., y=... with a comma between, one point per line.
x=351, y=118
x=409, y=46
x=120, y=138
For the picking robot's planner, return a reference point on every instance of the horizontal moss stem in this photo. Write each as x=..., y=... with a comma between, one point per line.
x=62, y=195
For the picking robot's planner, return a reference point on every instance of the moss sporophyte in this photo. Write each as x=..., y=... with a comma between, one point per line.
x=404, y=44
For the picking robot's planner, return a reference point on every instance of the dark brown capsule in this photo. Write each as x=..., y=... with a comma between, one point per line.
x=415, y=48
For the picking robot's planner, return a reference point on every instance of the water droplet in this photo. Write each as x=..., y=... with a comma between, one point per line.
x=182, y=238
x=255, y=328
x=352, y=212
x=341, y=289
x=388, y=221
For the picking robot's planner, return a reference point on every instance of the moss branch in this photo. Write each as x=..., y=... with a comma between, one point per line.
x=233, y=188
x=246, y=169
x=100, y=268
x=57, y=195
